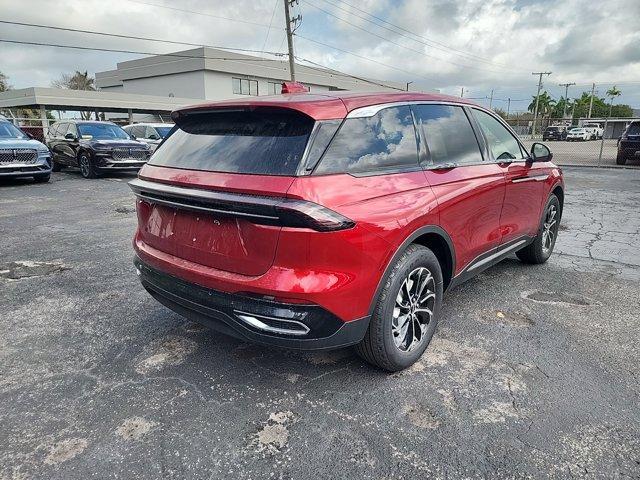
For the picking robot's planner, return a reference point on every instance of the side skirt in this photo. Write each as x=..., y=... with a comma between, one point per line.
x=488, y=259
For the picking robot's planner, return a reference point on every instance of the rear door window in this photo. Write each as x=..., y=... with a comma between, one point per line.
x=263, y=141
x=448, y=135
x=634, y=129
x=502, y=143
x=381, y=143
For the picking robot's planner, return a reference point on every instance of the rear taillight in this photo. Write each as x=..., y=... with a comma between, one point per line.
x=283, y=212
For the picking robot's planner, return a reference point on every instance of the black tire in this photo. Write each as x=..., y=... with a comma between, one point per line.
x=42, y=178
x=621, y=159
x=87, y=169
x=56, y=167
x=378, y=347
x=537, y=252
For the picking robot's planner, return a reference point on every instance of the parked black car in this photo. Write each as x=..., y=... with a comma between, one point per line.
x=555, y=133
x=629, y=144
x=95, y=147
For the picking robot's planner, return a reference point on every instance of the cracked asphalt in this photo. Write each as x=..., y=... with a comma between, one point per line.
x=533, y=372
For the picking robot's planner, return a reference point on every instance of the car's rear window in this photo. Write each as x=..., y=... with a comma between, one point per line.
x=263, y=141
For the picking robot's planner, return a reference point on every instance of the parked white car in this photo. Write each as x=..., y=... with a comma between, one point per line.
x=595, y=129
x=149, y=133
x=578, y=134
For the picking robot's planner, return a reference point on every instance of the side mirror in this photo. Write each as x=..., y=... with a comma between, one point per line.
x=153, y=136
x=540, y=153
x=133, y=137
x=70, y=136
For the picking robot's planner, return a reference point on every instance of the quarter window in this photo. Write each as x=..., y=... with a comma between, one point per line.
x=502, y=143
x=448, y=135
x=385, y=141
x=244, y=86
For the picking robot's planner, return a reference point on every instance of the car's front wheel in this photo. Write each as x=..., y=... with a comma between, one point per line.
x=87, y=169
x=406, y=311
x=541, y=248
x=621, y=159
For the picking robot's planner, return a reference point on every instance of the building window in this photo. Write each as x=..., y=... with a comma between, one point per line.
x=243, y=86
x=274, y=88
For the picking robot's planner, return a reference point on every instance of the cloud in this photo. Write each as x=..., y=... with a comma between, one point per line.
x=478, y=44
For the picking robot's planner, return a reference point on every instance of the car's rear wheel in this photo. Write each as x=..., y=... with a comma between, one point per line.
x=87, y=169
x=541, y=248
x=406, y=311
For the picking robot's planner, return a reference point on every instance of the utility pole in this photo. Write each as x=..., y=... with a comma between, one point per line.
x=535, y=113
x=593, y=89
x=287, y=16
x=491, y=99
x=408, y=83
x=508, y=106
x=462, y=92
x=566, y=96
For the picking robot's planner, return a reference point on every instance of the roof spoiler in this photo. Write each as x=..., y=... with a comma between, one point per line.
x=293, y=87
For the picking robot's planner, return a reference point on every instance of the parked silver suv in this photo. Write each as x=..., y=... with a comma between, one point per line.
x=21, y=155
x=149, y=133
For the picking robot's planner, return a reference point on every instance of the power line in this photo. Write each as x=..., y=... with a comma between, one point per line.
x=133, y=37
x=137, y=52
x=273, y=14
x=77, y=47
x=399, y=44
x=361, y=57
x=338, y=72
x=418, y=38
x=199, y=13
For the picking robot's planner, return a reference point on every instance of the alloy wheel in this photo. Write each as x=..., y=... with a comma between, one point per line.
x=549, y=229
x=413, y=310
x=85, y=168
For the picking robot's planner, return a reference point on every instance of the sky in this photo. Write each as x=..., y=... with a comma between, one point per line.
x=478, y=45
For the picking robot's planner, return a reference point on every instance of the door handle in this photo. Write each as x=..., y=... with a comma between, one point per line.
x=533, y=178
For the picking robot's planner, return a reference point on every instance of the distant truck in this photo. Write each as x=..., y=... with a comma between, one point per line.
x=595, y=129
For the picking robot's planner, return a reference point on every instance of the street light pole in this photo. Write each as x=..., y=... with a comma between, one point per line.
x=408, y=83
x=593, y=88
x=535, y=114
x=566, y=97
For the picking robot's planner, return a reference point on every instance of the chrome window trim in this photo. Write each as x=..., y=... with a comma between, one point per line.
x=371, y=110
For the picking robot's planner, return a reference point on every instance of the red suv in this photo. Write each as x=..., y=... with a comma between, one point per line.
x=317, y=221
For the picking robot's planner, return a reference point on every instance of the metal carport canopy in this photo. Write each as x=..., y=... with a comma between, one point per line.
x=87, y=100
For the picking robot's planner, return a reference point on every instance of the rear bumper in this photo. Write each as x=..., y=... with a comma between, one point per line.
x=296, y=326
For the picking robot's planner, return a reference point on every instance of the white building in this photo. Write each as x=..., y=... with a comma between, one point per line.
x=211, y=74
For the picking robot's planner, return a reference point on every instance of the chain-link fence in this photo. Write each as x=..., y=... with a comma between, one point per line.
x=591, y=142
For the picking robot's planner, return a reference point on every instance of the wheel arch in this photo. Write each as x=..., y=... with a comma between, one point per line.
x=82, y=150
x=558, y=191
x=438, y=241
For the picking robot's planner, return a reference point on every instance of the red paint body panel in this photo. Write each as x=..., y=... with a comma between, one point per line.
x=469, y=205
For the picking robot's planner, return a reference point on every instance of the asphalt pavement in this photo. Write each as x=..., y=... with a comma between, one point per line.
x=533, y=371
